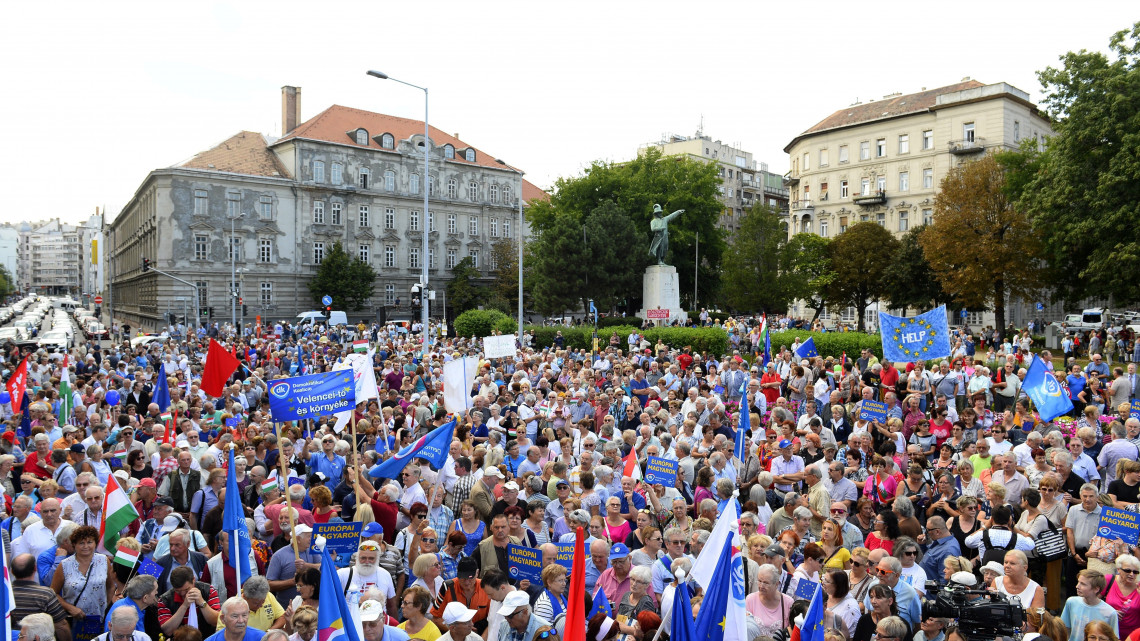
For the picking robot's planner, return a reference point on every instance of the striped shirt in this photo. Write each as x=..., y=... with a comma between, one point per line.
x=30, y=598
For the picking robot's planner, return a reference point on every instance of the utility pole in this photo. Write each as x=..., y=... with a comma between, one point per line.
x=696, y=268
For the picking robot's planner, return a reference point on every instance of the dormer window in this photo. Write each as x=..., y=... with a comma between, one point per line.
x=362, y=137
x=388, y=141
x=470, y=155
x=448, y=151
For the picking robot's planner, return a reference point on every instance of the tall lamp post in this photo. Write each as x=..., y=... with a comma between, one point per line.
x=520, y=173
x=233, y=269
x=424, y=318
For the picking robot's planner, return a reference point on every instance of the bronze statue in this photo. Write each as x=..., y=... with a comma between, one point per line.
x=659, y=246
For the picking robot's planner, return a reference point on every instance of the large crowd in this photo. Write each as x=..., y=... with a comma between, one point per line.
x=961, y=487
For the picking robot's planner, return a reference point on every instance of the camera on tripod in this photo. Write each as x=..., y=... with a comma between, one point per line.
x=981, y=615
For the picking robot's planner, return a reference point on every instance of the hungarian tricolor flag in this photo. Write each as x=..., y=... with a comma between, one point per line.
x=360, y=346
x=765, y=342
x=66, y=398
x=126, y=556
x=118, y=513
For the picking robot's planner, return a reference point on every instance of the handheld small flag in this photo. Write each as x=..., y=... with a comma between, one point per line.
x=66, y=398
x=268, y=485
x=1047, y=395
x=335, y=621
x=126, y=557
x=813, y=619
x=807, y=349
x=118, y=512
x=233, y=523
x=360, y=346
x=601, y=604
x=631, y=468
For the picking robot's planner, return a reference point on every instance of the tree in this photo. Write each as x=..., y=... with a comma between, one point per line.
x=347, y=279
x=981, y=247
x=611, y=240
x=1085, y=199
x=861, y=261
x=462, y=293
x=751, y=280
x=558, y=262
x=634, y=187
x=807, y=267
x=7, y=283
x=503, y=293
x=913, y=283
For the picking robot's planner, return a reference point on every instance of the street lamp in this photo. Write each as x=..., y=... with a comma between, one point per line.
x=426, y=187
x=233, y=269
x=520, y=173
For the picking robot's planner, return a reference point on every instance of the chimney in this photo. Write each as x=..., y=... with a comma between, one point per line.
x=290, y=109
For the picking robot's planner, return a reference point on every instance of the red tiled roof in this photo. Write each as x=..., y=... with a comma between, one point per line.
x=244, y=153
x=337, y=124
x=883, y=109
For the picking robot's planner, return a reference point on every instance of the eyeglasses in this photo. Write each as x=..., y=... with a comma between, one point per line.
x=857, y=564
x=428, y=540
x=886, y=572
x=910, y=553
x=677, y=542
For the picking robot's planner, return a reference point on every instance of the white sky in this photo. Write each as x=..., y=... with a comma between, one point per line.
x=97, y=94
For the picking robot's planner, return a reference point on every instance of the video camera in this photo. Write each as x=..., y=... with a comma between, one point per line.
x=981, y=615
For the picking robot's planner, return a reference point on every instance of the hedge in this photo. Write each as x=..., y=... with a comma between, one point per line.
x=831, y=343
x=709, y=340
x=615, y=321
x=478, y=322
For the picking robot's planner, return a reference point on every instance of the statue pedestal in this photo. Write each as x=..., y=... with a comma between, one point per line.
x=661, y=293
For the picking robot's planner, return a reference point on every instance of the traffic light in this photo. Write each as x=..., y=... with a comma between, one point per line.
x=328, y=308
x=244, y=310
x=146, y=265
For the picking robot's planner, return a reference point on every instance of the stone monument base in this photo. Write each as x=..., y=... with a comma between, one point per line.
x=661, y=292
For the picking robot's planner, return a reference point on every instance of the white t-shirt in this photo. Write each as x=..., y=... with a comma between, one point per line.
x=379, y=579
x=915, y=576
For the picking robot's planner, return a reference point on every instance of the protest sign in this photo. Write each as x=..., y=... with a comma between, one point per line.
x=499, y=346
x=342, y=538
x=661, y=470
x=565, y=556
x=1120, y=524
x=873, y=411
x=524, y=563
x=1134, y=412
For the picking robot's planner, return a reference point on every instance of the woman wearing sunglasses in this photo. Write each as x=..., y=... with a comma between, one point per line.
x=1121, y=594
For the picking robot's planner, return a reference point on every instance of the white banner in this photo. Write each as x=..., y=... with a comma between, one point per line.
x=499, y=346
x=458, y=377
x=364, y=377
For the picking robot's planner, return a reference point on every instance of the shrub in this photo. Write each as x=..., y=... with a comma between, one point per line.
x=831, y=343
x=710, y=340
x=478, y=322
x=713, y=316
x=617, y=321
x=507, y=325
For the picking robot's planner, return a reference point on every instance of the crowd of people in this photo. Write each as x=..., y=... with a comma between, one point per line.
x=961, y=486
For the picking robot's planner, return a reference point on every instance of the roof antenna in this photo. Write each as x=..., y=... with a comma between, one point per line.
x=701, y=127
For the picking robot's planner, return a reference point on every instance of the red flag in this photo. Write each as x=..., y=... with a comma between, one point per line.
x=18, y=384
x=170, y=427
x=220, y=365
x=575, y=628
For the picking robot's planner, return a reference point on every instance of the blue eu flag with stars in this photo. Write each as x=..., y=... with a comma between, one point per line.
x=907, y=340
x=807, y=349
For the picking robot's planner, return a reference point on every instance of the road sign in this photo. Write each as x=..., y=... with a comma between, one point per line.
x=964, y=312
x=326, y=300
x=98, y=300
x=1040, y=307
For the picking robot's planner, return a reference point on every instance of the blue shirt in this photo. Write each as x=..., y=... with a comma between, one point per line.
x=910, y=607
x=333, y=469
x=935, y=555
x=251, y=634
x=1077, y=385
x=46, y=563
x=122, y=603
x=638, y=502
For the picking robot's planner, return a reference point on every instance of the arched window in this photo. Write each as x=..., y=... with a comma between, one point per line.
x=448, y=151
x=361, y=137
x=470, y=155
x=388, y=141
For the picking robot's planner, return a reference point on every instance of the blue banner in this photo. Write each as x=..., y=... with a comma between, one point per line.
x=565, y=556
x=432, y=447
x=342, y=538
x=1046, y=393
x=807, y=349
x=921, y=338
x=1119, y=524
x=524, y=563
x=233, y=422
x=233, y=522
x=1134, y=412
x=301, y=397
x=873, y=411
x=661, y=470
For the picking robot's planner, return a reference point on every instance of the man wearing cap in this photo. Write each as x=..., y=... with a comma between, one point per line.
x=521, y=625
x=284, y=564
x=368, y=574
x=615, y=581
x=483, y=493
x=147, y=492
x=787, y=469
x=373, y=623
x=510, y=498
x=464, y=591
x=458, y=619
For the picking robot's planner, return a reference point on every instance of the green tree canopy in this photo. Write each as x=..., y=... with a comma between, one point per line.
x=611, y=239
x=556, y=266
x=503, y=293
x=807, y=268
x=861, y=258
x=462, y=291
x=751, y=279
x=912, y=282
x=347, y=279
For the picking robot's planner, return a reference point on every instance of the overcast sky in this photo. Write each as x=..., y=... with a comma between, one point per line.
x=97, y=94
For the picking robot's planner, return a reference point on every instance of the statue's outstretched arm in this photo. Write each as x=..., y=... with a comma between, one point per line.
x=674, y=215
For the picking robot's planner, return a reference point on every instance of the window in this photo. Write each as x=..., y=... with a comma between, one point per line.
x=730, y=192
x=928, y=140
x=927, y=216
x=264, y=250
x=470, y=155
x=362, y=178
x=201, y=202
x=492, y=262
x=807, y=161
x=864, y=150
x=389, y=180
x=451, y=225
x=203, y=294
x=881, y=148
x=823, y=228
x=865, y=187
x=414, y=221
x=842, y=224
x=414, y=258
x=451, y=253
x=508, y=195
x=904, y=143
x=881, y=219
x=361, y=137
x=201, y=247
x=265, y=207
x=318, y=171
x=473, y=191
x=904, y=181
x=390, y=218
x=473, y=225
x=928, y=179
x=822, y=157
x=266, y=294
x=337, y=173
x=389, y=256
x=235, y=249
x=494, y=228
x=881, y=184
x=364, y=253
x=903, y=222
x=318, y=212
x=387, y=141
x=452, y=188
x=362, y=217
x=431, y=258
x=318, y=253
x=506, y=228
x=336, y=213
x=448, y=151
x=842, y=154
x=843, y=190
x=389, y=294
x=414, y=183
x=431, y=185
x=494, y=192
x=233, y=205
x=968, y=132
x=431, y=221
x=1016, y=131
x=474, y=256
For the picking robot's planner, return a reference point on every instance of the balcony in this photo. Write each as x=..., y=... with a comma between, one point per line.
x=874, y=198
x=801, y=204
x=790, y=180
x=968, y=146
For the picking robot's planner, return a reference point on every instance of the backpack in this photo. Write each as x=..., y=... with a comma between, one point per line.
x=997, y=554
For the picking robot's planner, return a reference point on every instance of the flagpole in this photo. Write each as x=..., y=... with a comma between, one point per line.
x=285, y=480
x=355, y=456
x=235, y=557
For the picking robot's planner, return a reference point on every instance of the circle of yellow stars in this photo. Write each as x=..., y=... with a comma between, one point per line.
x=914, y=323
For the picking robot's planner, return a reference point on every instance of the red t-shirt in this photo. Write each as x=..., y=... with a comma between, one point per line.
x=889, y=377
x=32, y=466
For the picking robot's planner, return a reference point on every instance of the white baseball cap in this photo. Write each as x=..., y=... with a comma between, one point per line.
x=457, y=612
x=514, y=600
x=303, y=529
x=371, y=610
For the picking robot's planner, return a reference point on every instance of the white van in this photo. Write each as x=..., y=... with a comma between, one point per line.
x=308, y=318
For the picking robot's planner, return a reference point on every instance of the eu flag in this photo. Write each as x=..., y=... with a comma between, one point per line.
x=432, y=447
x=681, y=623
x=807, y=349
x=601, y=604
x=813, y=620
x=906, y=340
x=233, y=523
x=334, y=621
x=722, y=616
x=161, y=395
x=1051, y=401
x=301, y=397
x=743, y=424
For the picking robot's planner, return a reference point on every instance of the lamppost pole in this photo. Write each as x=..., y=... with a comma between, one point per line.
x=424, y=317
